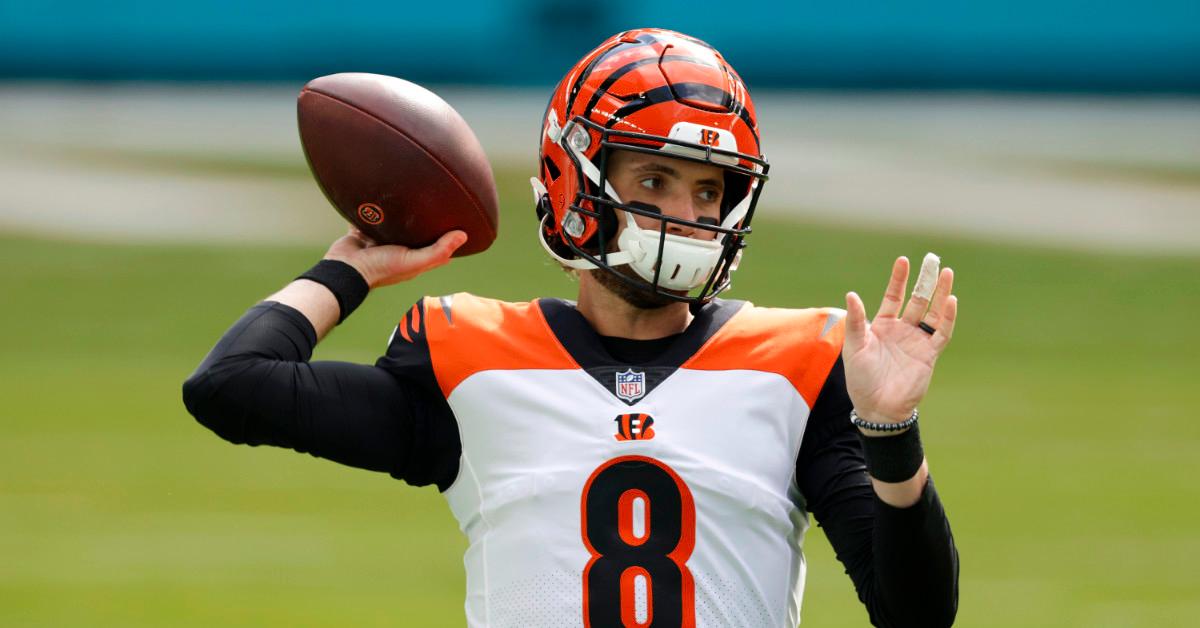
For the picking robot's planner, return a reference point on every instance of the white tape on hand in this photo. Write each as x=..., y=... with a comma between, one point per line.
x=927, y=280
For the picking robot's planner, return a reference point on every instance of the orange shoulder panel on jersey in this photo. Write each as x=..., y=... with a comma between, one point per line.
x=801, y=345
x=469, y=334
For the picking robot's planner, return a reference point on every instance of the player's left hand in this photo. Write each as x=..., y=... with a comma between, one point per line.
x=889, y=361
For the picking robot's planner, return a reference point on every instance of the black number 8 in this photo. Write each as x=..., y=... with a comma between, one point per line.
x=639, y=524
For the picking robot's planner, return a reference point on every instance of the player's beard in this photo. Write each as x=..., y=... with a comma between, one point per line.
x=643, y=299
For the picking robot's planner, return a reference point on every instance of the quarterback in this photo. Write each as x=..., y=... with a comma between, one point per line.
x=682, y=439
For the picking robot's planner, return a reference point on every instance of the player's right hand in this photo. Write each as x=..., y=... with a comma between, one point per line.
x=386, y=264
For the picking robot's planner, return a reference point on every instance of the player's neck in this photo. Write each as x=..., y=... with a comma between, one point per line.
x=610, y=315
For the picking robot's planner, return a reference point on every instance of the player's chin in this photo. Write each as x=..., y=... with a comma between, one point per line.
x=641, y=298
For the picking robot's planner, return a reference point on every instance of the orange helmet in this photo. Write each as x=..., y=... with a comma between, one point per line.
x=660, y=92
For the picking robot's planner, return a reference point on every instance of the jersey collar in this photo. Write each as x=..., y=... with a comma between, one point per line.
x=584, y=345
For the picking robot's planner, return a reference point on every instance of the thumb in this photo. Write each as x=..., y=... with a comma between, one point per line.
x=439, y=252
x=856, y=325
x=450, y=242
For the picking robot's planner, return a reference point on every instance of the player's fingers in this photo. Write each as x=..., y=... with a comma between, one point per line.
x=450, y=242
x=439, y=252
x=856, y=324
x=402, y=263
x=922, y=293
x=945, y=287
x=893, y=297
x=945, y=329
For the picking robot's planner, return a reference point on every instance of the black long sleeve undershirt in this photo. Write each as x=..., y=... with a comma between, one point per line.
x=258, y=387
x=902, y=561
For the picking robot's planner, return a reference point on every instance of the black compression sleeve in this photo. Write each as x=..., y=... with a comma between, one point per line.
x=257, y=387
x=903, y=561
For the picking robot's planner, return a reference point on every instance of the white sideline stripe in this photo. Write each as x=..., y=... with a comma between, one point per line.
x=996, y=180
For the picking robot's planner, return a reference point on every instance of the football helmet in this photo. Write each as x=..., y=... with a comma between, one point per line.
x=660, y=92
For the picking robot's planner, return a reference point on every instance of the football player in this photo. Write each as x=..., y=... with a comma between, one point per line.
x=648, y=454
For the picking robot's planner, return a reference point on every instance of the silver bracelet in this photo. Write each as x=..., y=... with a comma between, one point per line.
x=859, y=422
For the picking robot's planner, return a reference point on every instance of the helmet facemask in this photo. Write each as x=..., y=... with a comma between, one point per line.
x=677, y=267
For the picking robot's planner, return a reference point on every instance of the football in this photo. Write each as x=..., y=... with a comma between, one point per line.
x=397, y=161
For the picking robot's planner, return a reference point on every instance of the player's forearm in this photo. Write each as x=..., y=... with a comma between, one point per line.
x=902, y=560
x=893, y=537
x=902, y=494
x=896, y=464
x=915, y=564
x=314, y=301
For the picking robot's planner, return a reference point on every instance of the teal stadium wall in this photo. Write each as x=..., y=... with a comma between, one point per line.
x=1062, y=45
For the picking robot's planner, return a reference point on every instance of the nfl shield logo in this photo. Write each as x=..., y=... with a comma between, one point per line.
x=631, y=385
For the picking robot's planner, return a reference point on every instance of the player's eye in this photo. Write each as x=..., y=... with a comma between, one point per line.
x=651, y=183
x=710, y=195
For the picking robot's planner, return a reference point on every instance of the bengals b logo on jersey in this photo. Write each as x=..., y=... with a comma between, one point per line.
x=635, y=426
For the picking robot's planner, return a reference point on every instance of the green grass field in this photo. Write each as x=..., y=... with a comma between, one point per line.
x=1061, y=428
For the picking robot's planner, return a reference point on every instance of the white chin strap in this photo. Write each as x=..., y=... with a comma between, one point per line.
x=686, y=262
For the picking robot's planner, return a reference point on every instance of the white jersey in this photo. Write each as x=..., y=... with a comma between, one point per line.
x=598, y=493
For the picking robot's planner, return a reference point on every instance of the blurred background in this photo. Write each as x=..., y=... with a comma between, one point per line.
x=153, y=188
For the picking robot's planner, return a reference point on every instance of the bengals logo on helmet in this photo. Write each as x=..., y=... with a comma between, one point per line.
x=634, y=426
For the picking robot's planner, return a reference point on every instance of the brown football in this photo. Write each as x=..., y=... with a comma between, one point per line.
x=397, y=161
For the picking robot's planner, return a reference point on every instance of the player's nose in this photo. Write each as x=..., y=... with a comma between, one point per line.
x=682, y=207
x=687, y=209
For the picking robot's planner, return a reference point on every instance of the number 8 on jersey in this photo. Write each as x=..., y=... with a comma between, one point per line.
x=639, y=525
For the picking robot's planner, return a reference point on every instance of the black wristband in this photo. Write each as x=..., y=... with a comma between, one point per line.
x=893, y=458
x=343, y=280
